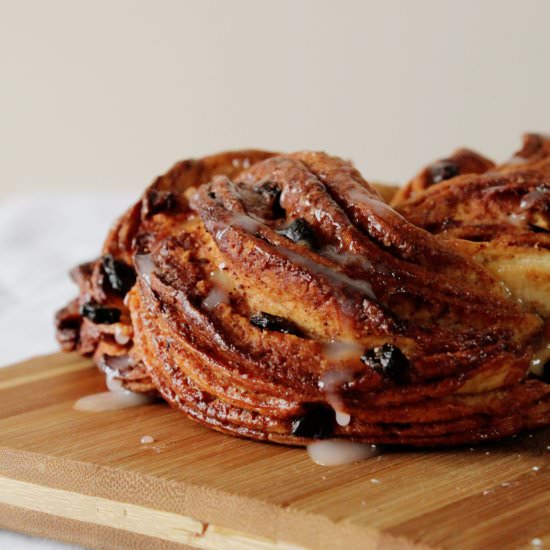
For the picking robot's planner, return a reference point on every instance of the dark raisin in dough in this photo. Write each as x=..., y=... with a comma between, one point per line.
x=443, y=170
x=158, y=201
x=100, y=314
x=300, y=231
x=271, y=195
x=316, y=423
x=120, y=277
x=274, y=322
x=390, y=361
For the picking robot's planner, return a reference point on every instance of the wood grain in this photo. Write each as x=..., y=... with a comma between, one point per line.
x=86, y=478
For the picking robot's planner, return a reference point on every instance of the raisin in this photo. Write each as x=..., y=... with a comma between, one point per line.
x=271, y=194
x=68, y=330
x=545, y=376
x=142, y=243
x=274, y=322
x=300, y=231
x=100, y=314
x=537, y=229
x=443, y=170
x=158, y=201
x=120, y=277
x=317, y=422
x=70, y=324
x=389, y=361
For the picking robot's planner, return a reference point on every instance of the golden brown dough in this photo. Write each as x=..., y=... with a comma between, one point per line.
x=273, y=291
x=462, y=161
x=501, y=218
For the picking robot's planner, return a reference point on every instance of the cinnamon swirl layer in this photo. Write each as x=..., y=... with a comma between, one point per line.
x=278, y=297
x=501, y=216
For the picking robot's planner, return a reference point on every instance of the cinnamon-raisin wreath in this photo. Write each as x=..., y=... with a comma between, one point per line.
x=280, y=298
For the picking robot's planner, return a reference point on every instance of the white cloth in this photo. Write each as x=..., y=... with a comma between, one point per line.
x=17, y=541
x=41, y=238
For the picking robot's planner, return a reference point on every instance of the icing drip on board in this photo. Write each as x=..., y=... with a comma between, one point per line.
x=111, y=401
x=332, y=452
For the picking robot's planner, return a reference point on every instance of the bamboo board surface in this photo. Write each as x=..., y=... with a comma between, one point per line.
x=87, y=478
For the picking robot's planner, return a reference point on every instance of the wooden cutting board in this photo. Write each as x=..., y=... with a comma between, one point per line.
x=87, y=478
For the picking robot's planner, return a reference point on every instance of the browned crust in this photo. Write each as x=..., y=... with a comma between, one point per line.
x=371, y=278
x=463, y=161
x=510, y=201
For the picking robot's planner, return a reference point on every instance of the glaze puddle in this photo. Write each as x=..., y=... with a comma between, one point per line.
x=334, y=453
x=111, y=401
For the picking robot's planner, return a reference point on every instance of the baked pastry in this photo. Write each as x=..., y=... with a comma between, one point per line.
x=501, y=214
x=278, y=297
x=97, y=322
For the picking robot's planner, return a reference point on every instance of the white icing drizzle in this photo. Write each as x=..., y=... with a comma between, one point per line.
x=528, y=202
x=332, y=274
x=250, y=225
x=360, y=195
x=332, y=381
x=111, y=401
x=117, y=397
x=518, y=219
x=215, y=297
x=539, y=359
x=219, y=293
x=342, y=419
x=113, y=384
x=145, y=266
x=538, y=195
x=245, y=222
x=242, y=221
x=339, y=350
x=222, y=280
x=122, y=335
x=114, y=364
x=332, y=452
x=344, y=257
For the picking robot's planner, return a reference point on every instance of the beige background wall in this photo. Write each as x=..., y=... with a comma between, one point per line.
x=106, y=94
